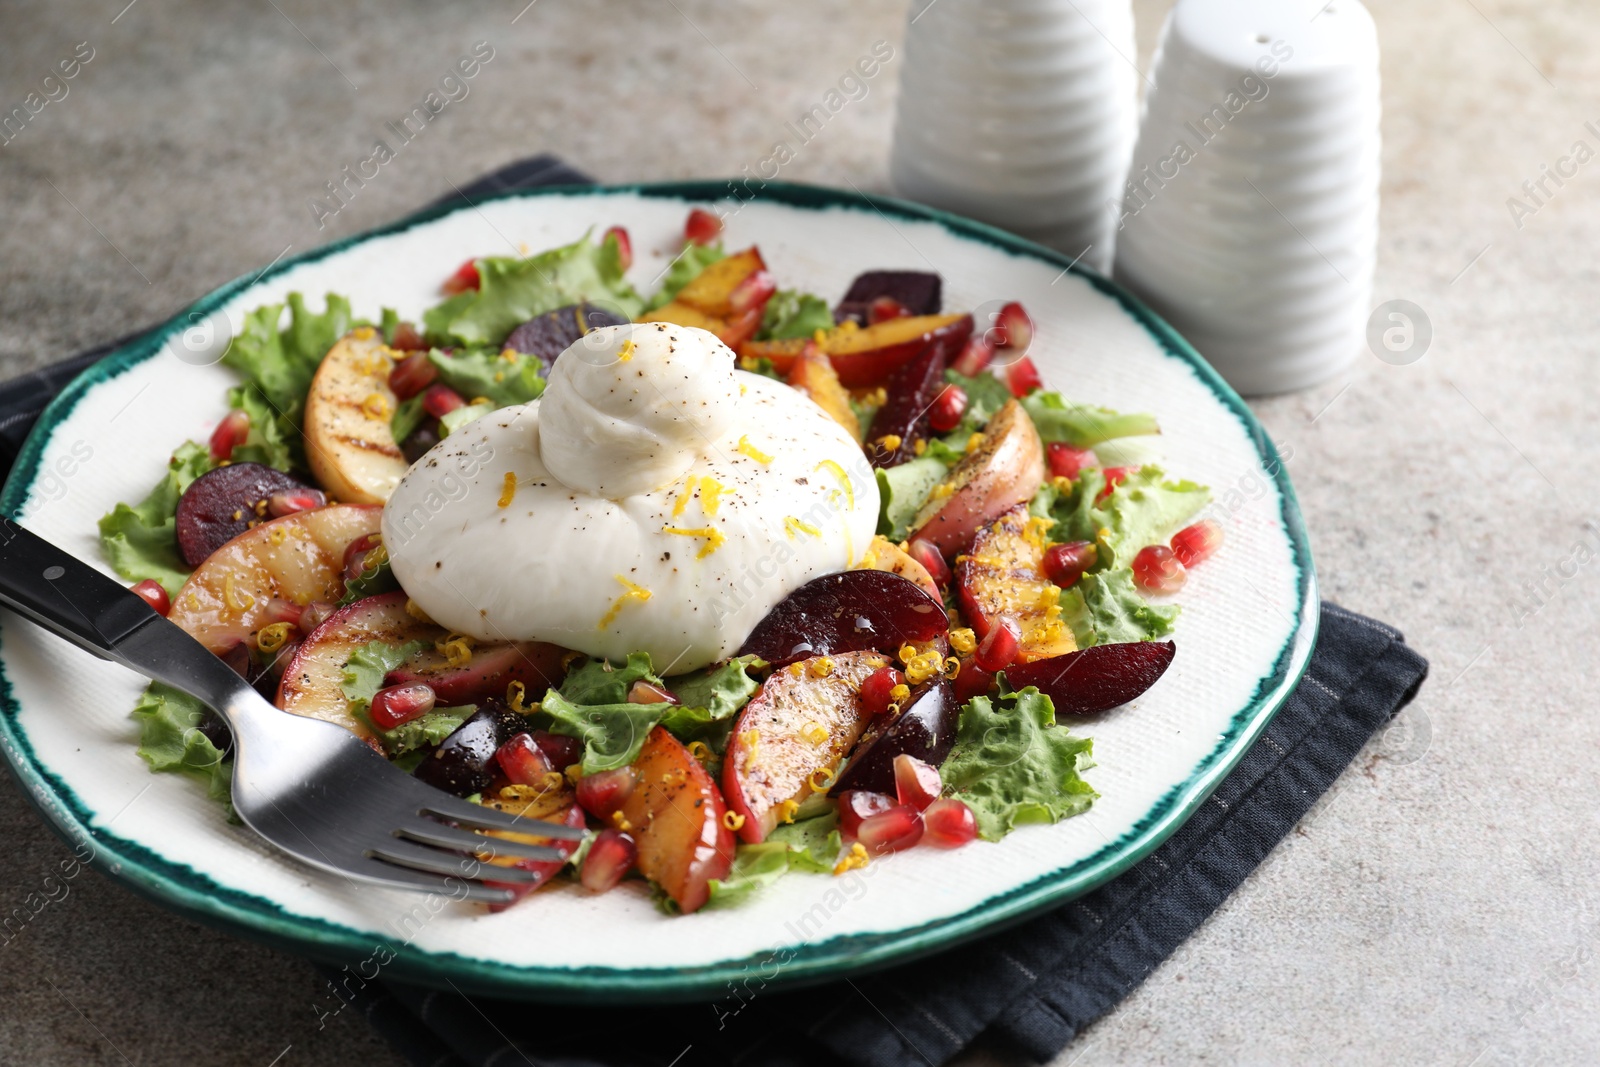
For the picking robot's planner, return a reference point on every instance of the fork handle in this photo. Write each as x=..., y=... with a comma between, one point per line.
x=74, y=601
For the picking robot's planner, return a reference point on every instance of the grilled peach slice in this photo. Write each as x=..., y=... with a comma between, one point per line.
x=244, y=584
x=866, y=356
x=814, y=376
x=552, y=805
x=678, y=818
x=790, y=738
x=348, y=441
x=725, y=298
x=1002, y=574
x=884, y=555
x=1005, y=469
x=312, y=683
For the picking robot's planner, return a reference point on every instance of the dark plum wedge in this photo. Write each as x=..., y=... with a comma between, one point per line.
x=902, y=421
x=1095, y=679
x=549, y=335
x=925, y=729
x=855, y=611
x=222, y=504
x=917, y=291
x=487, y=674
x=464, y=762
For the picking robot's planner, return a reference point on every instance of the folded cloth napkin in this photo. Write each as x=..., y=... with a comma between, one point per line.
x=1030, y=988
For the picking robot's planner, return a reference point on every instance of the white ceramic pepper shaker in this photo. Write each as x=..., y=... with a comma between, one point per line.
x=1250, y=216
x=1020, y=113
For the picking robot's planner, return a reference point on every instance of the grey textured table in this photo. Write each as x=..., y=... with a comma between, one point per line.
x=1439, y=904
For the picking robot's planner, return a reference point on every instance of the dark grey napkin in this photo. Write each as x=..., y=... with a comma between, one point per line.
x=1029, y=989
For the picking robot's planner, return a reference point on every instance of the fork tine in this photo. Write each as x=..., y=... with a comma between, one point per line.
x=430, y=832
x=483, y=818
x=456, y=887
x=434, y=861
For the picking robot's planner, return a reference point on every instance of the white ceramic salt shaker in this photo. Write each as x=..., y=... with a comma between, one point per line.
x=1020, y=113
x=1250, y=214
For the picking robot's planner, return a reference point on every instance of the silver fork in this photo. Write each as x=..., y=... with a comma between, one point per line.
x=311, y=788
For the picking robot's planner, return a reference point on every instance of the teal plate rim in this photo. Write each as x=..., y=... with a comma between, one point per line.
x=182, y=889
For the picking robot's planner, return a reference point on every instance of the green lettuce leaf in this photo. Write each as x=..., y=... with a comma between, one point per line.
x=986, y=395
x=267, y=441
x=408, y=415
x=1104, y=608
x=1013, y=765
x=612, y=734
x=1081, y=425
x=710, y=699
x=812, y=846
x=596, y=681
x=454, y=420
x=281, y=363
x=901, y=492
x=502, y=378
x=141, y=541
x=363, y=677
x=791, y=313
x=1144, y=509
x=683, y=270
x=170, y=740
x=511, y=291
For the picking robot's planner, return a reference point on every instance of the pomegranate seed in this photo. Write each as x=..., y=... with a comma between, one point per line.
x=974, y=357
x=890, y=831
x=229, y=435
x=280, y=610
x=858, y=805
x=1065, y=564
x=753, y=291
x=611, y=856
x=523, y=761
x=1068, y=462
x=948, y=407
x=441, y=400
x=407, y=339
x=702, y=228
x=399, y=704
x=1022, y=377
x=885, y=308
x=1197, y=543
x=560, y=750
x=466, y=277
x=1115, y=476
x=973, y=681
x=949, y=823
x=877, y=690
x=314, y=615
x=998, y=649
x=359, y=557
x=293, y=501
x=624, y=245
x=643, y=692
x=1157, y=569
x=602, y=793
x=916, y=783
x=932, y=561
x=1014, y=327
x=152, y=593
x=412, y=375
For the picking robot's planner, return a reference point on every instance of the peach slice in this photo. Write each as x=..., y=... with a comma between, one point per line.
x=678, y=818
x=866, y=356
x=707, y=302
x=1005, y=469
x=884, y=555
x=1002, y=574
x=814, y=376
x=349, y=445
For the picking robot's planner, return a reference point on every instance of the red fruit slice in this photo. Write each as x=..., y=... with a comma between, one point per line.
x=488, y=674
x=722, y=299
x=902, y=421
x=916, y=784
x=925, y=728
x=973, y=681
x=678, y=818
x=814, y=376
x=867, y=356
x=1005, y=469
x=1096, y=679
x=610, y=858
x=919, y=292
x=1003, y=576
x=848, y=612
x=891, y=831
x=553, y=806
x=949, y=823
x=789, y=739
x=293, y=501
x=753, y=291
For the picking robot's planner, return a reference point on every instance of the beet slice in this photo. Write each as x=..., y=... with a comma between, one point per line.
x=919, y=291
x=1096, y=679
x=549, y=335
x=222, y=504
x=926, y=729
x=854, y=611
x=904, y=414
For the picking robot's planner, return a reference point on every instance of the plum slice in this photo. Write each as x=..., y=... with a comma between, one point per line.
x=853, y=611
x=487, y=674
x=1003, y=470
x=547, y=336
x=1095, y=679
x=464, y=762
x=902, y=421
x=679, y=821
x=925, y=729
x=222, y=504
x=919, y=292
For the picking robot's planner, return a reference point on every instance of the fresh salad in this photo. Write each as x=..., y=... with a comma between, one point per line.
x=744, y=582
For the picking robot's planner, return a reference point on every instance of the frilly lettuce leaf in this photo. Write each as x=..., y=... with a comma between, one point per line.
x=1081, y=425
x=901, y=491
x=1144, y=509
x=140, y=541
x=501, y=377
x=791, y=313
x=812, y=845
x=281, y=363
x=170, y=740
x=363, y=677
x=1104, y=608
